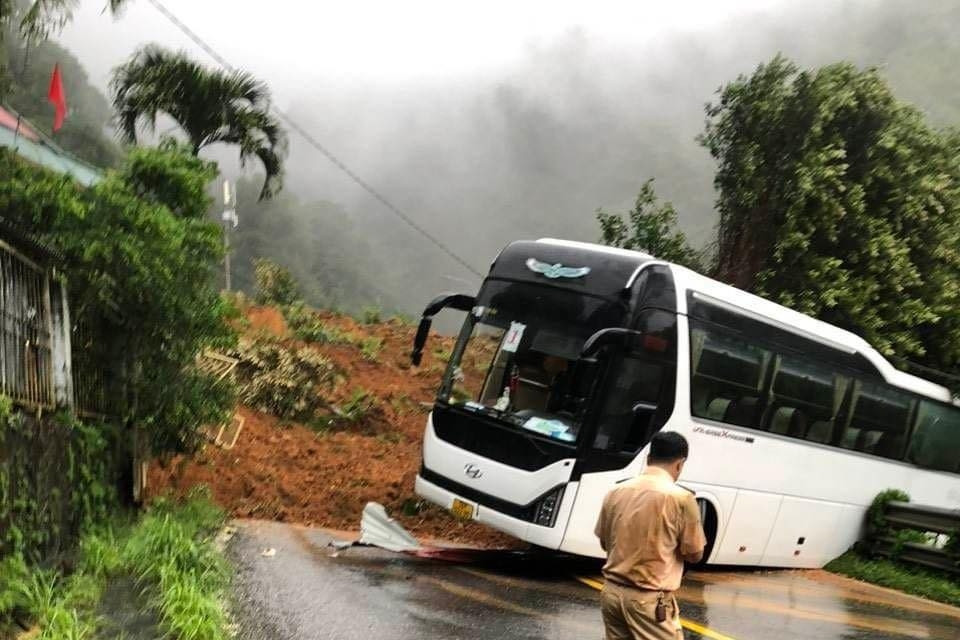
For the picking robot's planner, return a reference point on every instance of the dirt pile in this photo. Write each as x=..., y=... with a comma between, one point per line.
x=291, y=472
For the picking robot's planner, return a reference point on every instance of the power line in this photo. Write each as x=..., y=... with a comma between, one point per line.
x=316, y=144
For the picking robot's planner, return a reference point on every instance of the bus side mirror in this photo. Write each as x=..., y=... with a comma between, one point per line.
x=423, y=330
x=458, y=301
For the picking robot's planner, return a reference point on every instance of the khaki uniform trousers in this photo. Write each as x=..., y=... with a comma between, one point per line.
x=630, y=614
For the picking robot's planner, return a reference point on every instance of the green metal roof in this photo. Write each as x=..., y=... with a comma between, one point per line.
x=49, y=155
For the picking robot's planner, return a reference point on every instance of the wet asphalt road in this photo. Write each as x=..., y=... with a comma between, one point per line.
x=308, y=590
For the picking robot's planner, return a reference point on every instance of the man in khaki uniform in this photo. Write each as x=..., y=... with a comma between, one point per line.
x=649, y=526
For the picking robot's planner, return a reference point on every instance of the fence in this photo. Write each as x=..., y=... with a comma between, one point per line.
x=54, y=472
x=900, y=516
x=26, y=330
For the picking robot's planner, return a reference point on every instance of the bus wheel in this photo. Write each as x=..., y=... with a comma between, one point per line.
x=708, y=516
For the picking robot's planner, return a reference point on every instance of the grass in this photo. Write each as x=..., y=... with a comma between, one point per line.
x=918, y=581
x=169, y=551
x=370, y=348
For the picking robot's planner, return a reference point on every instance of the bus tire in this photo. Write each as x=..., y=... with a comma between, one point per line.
x=708, y=514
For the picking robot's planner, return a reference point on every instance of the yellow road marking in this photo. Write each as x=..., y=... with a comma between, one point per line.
x=686, y=624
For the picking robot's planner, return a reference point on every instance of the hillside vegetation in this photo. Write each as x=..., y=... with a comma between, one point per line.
x=334, y=417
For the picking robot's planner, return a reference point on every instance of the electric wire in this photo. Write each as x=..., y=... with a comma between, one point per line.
x=316, y=144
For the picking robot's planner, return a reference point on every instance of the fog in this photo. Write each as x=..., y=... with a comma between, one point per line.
x=517, y=123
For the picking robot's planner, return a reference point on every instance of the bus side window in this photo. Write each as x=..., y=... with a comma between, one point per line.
x=727, y=376
x=936, y=440
x=805, y=398
x=880, y=420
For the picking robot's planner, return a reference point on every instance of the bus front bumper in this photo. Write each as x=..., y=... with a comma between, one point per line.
x=547, y=537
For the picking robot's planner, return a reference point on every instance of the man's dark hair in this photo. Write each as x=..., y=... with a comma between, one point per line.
x=667, y=446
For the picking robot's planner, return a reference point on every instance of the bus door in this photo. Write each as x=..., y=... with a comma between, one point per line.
x=633, y=401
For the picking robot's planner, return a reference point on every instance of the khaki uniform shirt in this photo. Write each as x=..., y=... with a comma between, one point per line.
x=646, y=526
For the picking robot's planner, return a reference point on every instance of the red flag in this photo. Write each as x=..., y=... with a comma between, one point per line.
x=57, y=97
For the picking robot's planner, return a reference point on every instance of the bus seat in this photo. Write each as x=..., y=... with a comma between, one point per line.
x=718, y=408
x=533, y=389
x=867, y=442
x=788, y=421
x=742, y=412
x=850, y=437
x=890, y=445
x=820, y=431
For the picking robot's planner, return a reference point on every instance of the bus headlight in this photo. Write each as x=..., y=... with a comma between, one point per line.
x=547, y=508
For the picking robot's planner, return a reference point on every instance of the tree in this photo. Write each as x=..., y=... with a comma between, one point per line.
x=37, y=20
x=649, y=227
x=142, y=278
x=839, y=201
x=275, y=284
x=209, y=106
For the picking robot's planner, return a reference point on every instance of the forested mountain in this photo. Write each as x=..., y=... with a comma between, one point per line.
x=328, y=254
x=528, y=150
x=580, y=124
x=85, y=132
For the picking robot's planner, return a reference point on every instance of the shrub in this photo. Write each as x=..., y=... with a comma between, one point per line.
x=274, y=284
x=284, y=381
x=876, y=523
x=370, y=348
x=371, y=315
x=307, y=326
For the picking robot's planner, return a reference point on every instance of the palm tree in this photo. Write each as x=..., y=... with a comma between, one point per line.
x=209, y=105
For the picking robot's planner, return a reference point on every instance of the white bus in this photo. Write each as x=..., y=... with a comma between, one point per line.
x=573, y=355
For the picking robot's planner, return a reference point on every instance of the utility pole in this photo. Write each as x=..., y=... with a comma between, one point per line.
x=229, y=218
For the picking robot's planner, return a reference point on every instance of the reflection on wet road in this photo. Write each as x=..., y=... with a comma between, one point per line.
x=309, y=590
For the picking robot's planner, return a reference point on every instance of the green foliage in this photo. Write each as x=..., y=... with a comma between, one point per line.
x=210, y=105
x=146, y=290
x=275, y=284
x=926, y=583
x=99, y=552
x=83, y=133
x=39, y=19
x=13, y=574
x=171, y=551
x=839, y=201
x=333, y=256
x=370, y=348
x=649, y=227
x=371, y=315
x=45, y=502
x=287, y=381
x=876, y=523
x=360, y=405
x=173, y=178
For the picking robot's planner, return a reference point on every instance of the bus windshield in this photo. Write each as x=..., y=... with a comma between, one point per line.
x=517, y=353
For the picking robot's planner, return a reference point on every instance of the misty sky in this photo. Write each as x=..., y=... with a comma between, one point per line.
x=509, y=120
x=289, y=42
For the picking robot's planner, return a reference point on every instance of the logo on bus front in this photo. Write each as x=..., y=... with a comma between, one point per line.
x=472, y=471
x=554, y=271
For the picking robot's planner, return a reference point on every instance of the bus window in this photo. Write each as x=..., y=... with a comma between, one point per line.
x=633, y=409
x=804, y=400
x=471, y=379
x=936, y=441
x=879, y=421
x=517, y=354
x=640, y=387
x=727, y=376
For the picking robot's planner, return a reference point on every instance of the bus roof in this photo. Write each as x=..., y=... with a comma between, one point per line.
x=788, y=319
